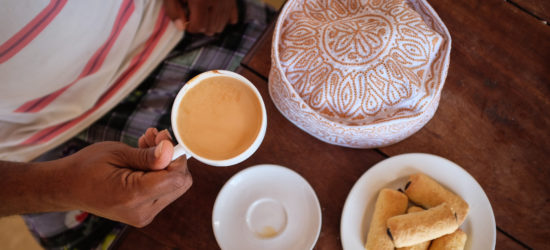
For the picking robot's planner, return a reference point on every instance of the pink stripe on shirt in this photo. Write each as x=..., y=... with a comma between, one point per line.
x=23, y=37
x=95, y=62
x=53, y=131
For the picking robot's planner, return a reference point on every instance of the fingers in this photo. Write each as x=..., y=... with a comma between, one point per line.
x=147, y=140
x=219, y=19
x=152, y=137
x=174, y=10
x=153, y=158
x=163, y=154
x=156, y=150
x=198, y=16
x=210, y=17
x=160, y=199
x=161, y=202
x=162, y=136
x=147, y=193
x=165, y=199
x=170, y=6
x=171, y=182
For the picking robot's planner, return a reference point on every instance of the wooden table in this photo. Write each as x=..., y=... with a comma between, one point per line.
x=493, y=120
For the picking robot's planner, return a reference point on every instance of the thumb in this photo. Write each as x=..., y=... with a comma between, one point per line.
x=153, y=158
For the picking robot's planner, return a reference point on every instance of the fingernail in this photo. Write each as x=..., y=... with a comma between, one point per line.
x=179, y=24
x=158, y=150
x=168, y=133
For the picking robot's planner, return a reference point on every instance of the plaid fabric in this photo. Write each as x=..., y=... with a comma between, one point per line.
x=149, y=105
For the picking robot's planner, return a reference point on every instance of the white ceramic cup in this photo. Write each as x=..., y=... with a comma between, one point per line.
x=182, y=149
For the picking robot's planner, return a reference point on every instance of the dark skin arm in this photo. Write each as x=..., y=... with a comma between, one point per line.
x=109, y=179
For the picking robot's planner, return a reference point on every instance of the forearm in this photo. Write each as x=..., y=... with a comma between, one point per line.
x=31, y=188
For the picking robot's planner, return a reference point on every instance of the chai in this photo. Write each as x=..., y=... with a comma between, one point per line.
x=219, y=118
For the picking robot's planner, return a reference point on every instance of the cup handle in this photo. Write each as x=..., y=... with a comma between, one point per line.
x=179, y=151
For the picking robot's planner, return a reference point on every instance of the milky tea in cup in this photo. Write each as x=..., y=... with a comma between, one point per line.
x=219, y=118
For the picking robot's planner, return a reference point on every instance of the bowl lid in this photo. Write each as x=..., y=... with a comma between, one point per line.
x=359, y=63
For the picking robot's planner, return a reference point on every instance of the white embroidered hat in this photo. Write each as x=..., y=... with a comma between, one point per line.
x=359, y=73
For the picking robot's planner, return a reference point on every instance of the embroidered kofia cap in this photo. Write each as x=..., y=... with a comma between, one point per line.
x=357, y=73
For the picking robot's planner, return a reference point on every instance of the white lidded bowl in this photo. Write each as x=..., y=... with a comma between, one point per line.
x=359, y=74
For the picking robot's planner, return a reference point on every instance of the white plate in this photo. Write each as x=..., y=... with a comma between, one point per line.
x=393, y=173
x=266, y=207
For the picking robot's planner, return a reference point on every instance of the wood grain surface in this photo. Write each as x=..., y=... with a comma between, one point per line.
x=255, y=60
x=330, y=170
x=538, y=8
x=493, y=120
x=494, y=114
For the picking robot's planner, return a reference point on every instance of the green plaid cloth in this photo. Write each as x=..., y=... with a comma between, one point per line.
x=149, y=105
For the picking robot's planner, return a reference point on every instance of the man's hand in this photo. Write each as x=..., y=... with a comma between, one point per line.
x=205, y=16
x=126, y=184
x=109, y=179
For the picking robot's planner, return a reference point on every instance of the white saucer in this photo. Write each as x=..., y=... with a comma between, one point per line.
x=266, y=207
x=393, y=173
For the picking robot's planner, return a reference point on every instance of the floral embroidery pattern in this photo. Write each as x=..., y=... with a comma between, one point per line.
x=358, y=62
x=359, y=73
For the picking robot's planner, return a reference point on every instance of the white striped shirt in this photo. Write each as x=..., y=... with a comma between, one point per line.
x=64, y=64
